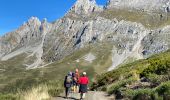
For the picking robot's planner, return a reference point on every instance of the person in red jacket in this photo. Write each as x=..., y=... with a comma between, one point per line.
x=83, y=81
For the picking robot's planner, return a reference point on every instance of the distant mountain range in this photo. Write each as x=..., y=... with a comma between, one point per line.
x=135, y=29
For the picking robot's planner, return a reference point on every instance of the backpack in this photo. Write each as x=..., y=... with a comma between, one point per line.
x=69, y=79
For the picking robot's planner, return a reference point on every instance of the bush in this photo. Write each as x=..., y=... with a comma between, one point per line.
x=8, y=97
x=164, y=88
x=158, y=67
x=142, y=94
x=116, y=86
x=154, y=78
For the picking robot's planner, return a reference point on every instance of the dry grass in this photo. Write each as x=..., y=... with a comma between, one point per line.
x=36, y=93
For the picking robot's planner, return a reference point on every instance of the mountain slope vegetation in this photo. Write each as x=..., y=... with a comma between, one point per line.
x=147, y=79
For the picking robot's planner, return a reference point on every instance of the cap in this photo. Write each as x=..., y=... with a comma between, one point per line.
x=84, y=73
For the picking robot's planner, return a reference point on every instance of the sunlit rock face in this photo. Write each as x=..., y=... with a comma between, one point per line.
x=85, y=7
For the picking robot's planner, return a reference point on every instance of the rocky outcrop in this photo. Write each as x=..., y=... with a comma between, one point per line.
x=156, y=41
x=28, y=38
x=28, y=33
x=85, y=7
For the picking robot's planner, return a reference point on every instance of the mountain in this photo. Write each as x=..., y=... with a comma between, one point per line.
x=93, y=38
x=88, y=23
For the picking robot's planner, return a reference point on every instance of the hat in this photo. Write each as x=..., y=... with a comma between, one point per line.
x=84, y=73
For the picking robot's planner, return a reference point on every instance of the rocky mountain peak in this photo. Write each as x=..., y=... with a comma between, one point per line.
x=85, y=7
x=34, y=21
x=33, y=24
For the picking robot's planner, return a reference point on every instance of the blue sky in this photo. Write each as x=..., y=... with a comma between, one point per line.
x=14, y=12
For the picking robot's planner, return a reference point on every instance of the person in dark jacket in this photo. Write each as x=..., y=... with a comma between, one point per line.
x=83, y=81
x=68, y=83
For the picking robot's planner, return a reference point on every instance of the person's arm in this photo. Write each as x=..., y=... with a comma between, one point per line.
x=65, y=81
x=79, y=80
x=87, y=80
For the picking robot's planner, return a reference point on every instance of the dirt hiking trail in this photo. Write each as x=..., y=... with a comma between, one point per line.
x=91, y=95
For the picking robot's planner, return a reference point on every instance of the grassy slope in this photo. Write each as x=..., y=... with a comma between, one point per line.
x=152, y=21
x=16, y=78
x=155, y=69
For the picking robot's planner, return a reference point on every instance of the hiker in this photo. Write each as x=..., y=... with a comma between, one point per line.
x=76, y=77
x=83, y=81
x=68, y=83
x=74, y=82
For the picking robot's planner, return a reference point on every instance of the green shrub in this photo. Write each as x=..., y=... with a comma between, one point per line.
x=104, y=88
x=116, y=86
x=154, y=78
x=158, y=67
x=142, y=94
x=8, y=97
x=164, y=88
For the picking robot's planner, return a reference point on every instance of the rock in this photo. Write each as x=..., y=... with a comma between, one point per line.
x=119, y=95
x=85, y=7
x=89, y=57
x=144, y=79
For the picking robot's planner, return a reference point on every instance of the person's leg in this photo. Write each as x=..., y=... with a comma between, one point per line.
x=69, y=91
x=74, y=88
x=66, y=92
x=83, y=95
x=77, y=88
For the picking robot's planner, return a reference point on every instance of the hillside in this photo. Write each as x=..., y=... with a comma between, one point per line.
x=146, y=79
x=15, y=78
